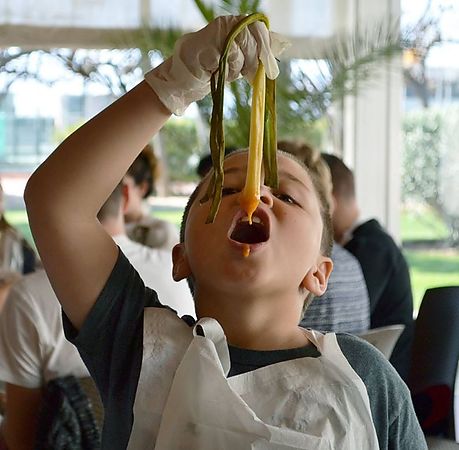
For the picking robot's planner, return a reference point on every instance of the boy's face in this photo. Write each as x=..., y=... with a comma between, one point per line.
x=284, y=239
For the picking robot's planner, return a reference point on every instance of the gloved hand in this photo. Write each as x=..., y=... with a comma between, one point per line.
x=185, y=76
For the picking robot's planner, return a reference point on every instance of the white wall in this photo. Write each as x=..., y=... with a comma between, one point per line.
x=371, y=134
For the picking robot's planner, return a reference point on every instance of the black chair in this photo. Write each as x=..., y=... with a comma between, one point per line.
x=435, y=357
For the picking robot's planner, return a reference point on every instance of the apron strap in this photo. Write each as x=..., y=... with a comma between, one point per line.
x=316, y=337
x=211, y=329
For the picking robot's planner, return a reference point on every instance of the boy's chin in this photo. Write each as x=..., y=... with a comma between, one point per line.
x=250, y=276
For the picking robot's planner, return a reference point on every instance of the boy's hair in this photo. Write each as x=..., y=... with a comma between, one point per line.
x=313, y=160
x=145, y=168
x=342, y=176
x=205, y=163
x=111, y=207
x=321, y=179
x=327, y=231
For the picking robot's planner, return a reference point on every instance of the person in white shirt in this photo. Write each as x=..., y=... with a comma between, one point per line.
x=33, y=348
x=141, y=226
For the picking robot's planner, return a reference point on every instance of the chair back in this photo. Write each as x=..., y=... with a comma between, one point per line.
x=435, y=443
x=435, y=357
x=384, y=338
x=436, y=340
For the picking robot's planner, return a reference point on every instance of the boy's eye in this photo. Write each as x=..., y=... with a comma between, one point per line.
x=285, y=198
x=230, y=191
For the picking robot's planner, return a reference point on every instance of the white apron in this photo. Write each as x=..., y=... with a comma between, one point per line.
x=306, y=403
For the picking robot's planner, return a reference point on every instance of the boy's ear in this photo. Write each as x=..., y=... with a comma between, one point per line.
x=180, y=267
x=316, y=279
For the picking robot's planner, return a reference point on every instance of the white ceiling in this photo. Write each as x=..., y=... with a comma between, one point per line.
x=94, y=23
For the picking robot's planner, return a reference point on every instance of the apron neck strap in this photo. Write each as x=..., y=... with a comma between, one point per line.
x=316, y=337
x=211, y=329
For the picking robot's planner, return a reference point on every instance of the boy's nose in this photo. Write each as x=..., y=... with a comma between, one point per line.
x=266, y=196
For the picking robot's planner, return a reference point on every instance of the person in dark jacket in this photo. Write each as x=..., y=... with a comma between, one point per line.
x=383, y=264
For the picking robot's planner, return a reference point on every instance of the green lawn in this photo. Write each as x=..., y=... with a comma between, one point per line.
x=414, y=225
x=428, y=268
x=174, y=216
x=432, y=268
x=421, y=223
x=20, y=221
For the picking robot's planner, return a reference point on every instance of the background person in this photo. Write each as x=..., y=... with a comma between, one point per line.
x=205, y=163
x=384, y=266
x=17, y=257
x=33, y=348
x=141, y=226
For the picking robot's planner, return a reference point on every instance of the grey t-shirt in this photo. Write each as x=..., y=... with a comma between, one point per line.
x=110, y=343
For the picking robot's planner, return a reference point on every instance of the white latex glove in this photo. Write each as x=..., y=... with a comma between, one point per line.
x=185, y=76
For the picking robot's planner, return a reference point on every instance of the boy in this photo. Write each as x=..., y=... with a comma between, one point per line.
x=165, y=385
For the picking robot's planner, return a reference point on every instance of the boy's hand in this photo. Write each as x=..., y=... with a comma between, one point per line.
x=185, y=77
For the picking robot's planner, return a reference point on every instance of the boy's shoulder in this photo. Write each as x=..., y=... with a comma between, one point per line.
x=391, y=407
x=350, y=343
x=364, y=358
x=382, y=381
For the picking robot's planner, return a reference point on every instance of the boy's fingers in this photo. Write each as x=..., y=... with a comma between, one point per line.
x=185, y=77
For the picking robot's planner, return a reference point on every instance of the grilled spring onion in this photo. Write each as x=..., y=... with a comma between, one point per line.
x=263, y=141
x=250, y=196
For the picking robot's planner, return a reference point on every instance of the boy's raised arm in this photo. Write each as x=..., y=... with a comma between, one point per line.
x=65, y=193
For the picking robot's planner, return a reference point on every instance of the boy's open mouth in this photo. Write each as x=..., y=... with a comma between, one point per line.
x=245, y=233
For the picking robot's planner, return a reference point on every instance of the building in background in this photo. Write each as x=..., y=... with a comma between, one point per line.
x=26, y=140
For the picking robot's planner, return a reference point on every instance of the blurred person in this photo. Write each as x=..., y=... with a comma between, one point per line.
x=141, y=226
x=345, y=305
x=33, y=348
x=17, y=256
x=205, y=163
x=384, y=266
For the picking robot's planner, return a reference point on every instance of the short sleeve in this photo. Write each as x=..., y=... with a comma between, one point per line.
x=110, y=343
x=405, y=432
x=392, y=410
x=20, y=358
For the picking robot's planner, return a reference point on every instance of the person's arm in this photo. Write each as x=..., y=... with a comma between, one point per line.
x=64, y=195
x=21, y=367
x=5, y=287
x=19, y=425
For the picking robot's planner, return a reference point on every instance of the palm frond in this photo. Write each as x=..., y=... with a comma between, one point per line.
x=240, y=6
x=207, y=11
x=347, y=66
x=147, y=39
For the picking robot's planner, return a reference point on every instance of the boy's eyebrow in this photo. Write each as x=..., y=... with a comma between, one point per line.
x=289, y=176
x=234, y=170
x=282, y=174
